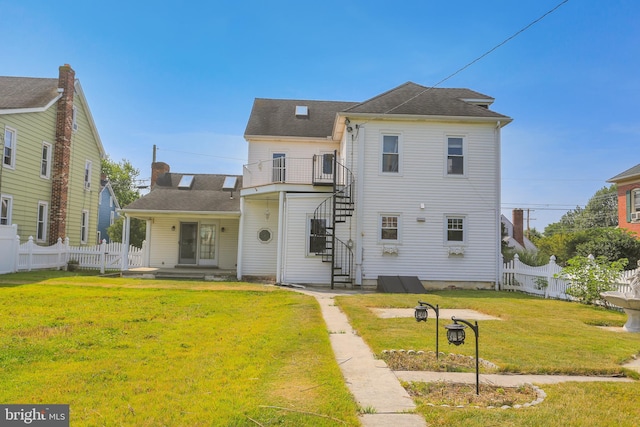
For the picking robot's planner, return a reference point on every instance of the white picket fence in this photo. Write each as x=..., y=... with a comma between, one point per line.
x=103, y=257
x=518, y=276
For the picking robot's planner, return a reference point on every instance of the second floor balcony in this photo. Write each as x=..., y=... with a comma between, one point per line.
x=315, y=170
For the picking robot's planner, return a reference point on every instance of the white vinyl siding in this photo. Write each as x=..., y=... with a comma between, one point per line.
x=423, y=195
x=259, y=258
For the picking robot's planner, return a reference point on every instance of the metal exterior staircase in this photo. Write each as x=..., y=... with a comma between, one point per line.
x=334, y=210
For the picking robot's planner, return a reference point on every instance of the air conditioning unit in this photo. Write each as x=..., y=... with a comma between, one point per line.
x=635, y=216
x=87, y=185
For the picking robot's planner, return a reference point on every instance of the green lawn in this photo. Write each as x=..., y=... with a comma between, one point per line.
x=534, y=336
x=147, y=353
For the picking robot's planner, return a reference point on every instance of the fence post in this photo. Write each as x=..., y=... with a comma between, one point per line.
x=67, y=250
x=103, y=248
x=550, y=273
x=29, y=253
x=60, y=253
x=16, y=262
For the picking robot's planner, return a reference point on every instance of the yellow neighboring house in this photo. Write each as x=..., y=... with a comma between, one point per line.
x=51, y=153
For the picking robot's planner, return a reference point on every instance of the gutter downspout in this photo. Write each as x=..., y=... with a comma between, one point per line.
x=279, y=263
x=240, y=241
x=498, y=204
x=359, y=205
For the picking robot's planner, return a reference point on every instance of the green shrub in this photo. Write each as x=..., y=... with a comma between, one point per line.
x=590, y=276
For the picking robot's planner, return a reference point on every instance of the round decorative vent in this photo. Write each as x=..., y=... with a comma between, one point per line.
x=264, y=235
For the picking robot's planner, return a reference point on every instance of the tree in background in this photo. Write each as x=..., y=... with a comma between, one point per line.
x=122, y=177
x=590, y=231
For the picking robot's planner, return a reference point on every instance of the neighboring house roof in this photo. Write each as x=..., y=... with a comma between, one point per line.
x=630, y=173
x=106, y=185
x=510, y=241
x=204, y=196
x=33, y=95
x=20, y=93
x=276, y=117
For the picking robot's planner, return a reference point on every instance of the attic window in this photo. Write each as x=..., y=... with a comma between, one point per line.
x=302, y=111
x=186, y=182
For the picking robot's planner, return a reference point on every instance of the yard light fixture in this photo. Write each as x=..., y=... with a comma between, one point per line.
x=421, y=314
x=456, y=336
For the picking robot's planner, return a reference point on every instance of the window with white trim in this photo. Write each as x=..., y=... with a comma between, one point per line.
x=5, y=210
x=84, y=226
x=41, y=228
x=112, y=216
x=389, y=228
x=316, y=236
x=455, y=155
x=45, y=161
x=390, y=161
x=87, y=175
x=455, y=229
x=74, y=118
x=9, y=152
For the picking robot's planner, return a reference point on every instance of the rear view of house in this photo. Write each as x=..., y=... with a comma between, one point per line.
x=405, y=183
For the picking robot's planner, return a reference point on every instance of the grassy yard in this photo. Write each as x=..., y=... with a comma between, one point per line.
x=533, y=336
x=153, y=353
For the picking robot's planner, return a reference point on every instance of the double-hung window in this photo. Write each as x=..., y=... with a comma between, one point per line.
x=455, y=229
x=9, y=152
x=455, y=155
x=5, y=210
x=41, y=228
x=390, y=161
x=317, y=236
x=87, y=175
x=389, y=228
x=45, y=161
x=84, y=226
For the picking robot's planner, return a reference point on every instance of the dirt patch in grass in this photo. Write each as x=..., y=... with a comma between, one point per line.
x=451, y=394
x=399, y=360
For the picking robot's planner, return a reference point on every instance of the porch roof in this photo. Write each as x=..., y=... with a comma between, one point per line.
x=204, y=196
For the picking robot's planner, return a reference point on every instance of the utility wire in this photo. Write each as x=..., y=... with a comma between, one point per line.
x=505, y=41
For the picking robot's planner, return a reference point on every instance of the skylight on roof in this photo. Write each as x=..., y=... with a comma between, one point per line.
x=302, y=111
x=186, y=182
x=230, y=183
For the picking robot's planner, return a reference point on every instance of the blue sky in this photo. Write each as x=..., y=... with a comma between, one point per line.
x=183, y=75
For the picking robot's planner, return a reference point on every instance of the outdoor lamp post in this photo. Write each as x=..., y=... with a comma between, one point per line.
x=456, y=336
x=422, y=315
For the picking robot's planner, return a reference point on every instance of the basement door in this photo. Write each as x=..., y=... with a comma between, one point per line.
x=198, y=242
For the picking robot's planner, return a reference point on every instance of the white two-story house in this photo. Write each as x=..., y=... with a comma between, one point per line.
x=406, y=183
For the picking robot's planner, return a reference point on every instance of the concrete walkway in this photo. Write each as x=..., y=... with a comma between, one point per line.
x=377, y=389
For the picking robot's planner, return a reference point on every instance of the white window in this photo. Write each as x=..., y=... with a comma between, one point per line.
x=10, y=142
x=110, y=201
x=317, y=236
x=455, y=229
x=636, y=201
x=5, y=210
x=84, y=226
x=45, y=162
x=455, y=155
x=390, y=161
x=389, y=228
x=87, y=175
x=112, y=216
x=74, y=118
x=41, y=228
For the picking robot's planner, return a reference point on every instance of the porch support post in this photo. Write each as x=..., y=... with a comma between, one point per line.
x=147, y=238
x=359, y=204
x=499, y=264
x=279, y=263
x=124, y=261
x=240, y=241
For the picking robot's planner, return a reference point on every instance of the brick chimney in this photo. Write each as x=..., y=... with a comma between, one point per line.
x=62, y=155
x=518, y=226
x=157, y=169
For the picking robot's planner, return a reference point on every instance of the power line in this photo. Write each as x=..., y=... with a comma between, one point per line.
x=505, y=41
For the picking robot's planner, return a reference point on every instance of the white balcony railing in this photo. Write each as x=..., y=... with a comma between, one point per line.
x=283, y=170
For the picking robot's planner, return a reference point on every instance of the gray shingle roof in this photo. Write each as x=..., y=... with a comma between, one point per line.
x=206, y=195
x=276, y=117
x=26, y=92
x=629, y=173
